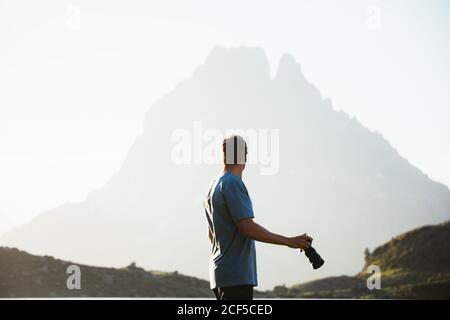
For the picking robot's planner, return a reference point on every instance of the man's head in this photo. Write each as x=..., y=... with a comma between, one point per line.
x=234, y=153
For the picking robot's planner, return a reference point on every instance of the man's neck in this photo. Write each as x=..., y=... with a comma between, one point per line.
x=234, y=170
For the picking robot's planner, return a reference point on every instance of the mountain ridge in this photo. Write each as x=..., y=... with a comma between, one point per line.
x=150, y=203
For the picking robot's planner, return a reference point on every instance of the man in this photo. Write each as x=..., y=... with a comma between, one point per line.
x=232, y=231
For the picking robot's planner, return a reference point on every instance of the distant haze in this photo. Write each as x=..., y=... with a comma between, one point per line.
x=5, y=223
x=337, y=180
x=77, y=78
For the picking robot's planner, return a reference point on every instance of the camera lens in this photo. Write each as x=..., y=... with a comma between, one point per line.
x=314, y=258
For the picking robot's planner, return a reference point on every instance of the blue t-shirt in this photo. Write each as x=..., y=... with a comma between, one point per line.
x=233, y=256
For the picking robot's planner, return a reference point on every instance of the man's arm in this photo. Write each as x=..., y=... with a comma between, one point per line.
x=250, y=229
x=210, y=235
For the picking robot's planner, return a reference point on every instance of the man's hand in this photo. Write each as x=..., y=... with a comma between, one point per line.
x=300, y=242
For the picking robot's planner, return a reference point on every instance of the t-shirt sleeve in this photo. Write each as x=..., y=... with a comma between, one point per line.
x=238, y=201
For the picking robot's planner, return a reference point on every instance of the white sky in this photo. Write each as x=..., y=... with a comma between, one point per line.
x=73, y=96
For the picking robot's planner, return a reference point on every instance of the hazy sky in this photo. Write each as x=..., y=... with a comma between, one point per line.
x=77, y=77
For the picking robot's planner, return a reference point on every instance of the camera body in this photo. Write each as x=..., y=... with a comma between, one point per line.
x=314, y=258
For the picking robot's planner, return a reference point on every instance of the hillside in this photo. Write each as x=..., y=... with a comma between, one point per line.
x=325, y=174
x=415, y=264
x=25, y=275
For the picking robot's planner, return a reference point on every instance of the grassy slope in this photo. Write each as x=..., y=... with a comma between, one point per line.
x=415, y=264
x=25, y=275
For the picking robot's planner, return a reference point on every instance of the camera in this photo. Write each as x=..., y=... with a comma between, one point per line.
x=314, y=258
